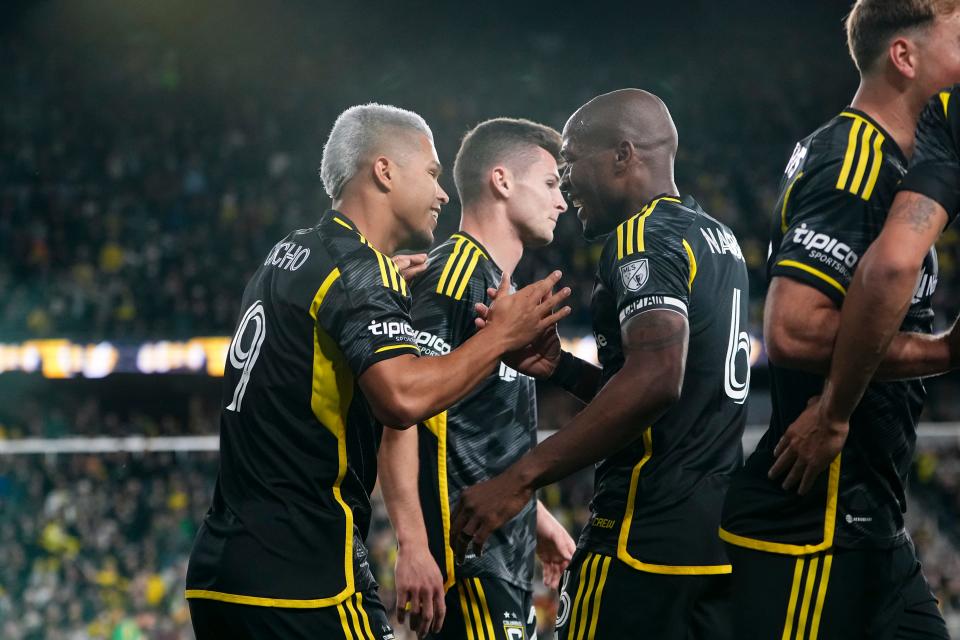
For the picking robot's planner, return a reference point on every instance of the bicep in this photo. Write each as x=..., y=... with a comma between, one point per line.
x=657, y=340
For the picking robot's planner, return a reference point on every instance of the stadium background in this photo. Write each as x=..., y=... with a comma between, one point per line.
x=151, y=153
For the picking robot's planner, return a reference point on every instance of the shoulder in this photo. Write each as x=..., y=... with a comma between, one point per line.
x=459, y=269
x=359, y=263
x=659, y=226
x=849, y=154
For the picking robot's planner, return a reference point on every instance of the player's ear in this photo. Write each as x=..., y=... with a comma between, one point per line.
x=383, y=171
x=501, y=181
x=625, y=154
x=902, y=54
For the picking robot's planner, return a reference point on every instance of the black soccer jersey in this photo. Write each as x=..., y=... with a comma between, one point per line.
x=481, y=435
x=834, y=198
x=935, y=165
x=657, y=502
x=298, y=440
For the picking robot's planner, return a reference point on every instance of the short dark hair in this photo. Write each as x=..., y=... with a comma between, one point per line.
x=872, y=23
x=495, y=141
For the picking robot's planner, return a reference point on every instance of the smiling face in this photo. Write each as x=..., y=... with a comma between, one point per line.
x=417, y=196
x=588, y=180
x=536, y=202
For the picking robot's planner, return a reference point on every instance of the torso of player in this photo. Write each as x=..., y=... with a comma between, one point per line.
x=484, y=433
x=656, y=503
x=834, y=197
x=298, y=438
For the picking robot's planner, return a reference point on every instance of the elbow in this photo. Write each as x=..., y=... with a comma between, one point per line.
x=665, y=391
x=883, y=269
x=782, y=351
x=395, y=410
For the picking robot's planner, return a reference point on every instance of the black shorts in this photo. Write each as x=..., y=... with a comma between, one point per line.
x=839, y=594
x=359, y=617
x=488, y=609
x=601, y=598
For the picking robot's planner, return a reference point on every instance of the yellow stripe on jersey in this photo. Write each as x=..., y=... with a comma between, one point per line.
x=693, y=264
x=391, y=347
x=864, y=143
x=460, y=267
x=475, y=611
x=342, y=612
x=465, y=609
x=623, y=554
x=330, y=397
x=945, y=101
x=389, y=274
x=829, y=525
x=465, y=280
x=364, y=618
x=875, y=168
x=487, y=619
x=437, y=425
x=630, y=233
x=792, y=602
x=821, y=596
x=814, y=272
x=343, y=224
x=578, y=624
x=862, y=159
x=786, y=199
x=851, y=152
x=807, y=593
x=597, y=596
x=578, y=599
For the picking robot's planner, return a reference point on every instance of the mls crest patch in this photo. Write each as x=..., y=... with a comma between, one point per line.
x=635, y=274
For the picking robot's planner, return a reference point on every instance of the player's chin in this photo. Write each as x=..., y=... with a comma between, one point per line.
x=421, y=238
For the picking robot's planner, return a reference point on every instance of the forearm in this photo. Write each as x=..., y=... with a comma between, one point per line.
x=616, y=417
x=433, y=384
x=545, y=519
x=872, y=313
x=915, y=355
x=398, y=470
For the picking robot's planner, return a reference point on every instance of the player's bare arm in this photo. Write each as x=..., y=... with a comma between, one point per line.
x=419, y=584
x=873, y=310
x=406, y=389
x=555, y=547
x=655, y=348
x=800, y=327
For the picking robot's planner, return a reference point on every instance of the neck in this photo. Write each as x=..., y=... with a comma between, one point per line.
x=894, y=108
x=643, y=194
x=489, y=225
x=373, y=218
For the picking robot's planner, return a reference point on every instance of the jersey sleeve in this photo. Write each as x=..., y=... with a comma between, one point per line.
x=443, y=322
x=935, y=166
x=369, y=321
x=647, y=267
x=826, y=232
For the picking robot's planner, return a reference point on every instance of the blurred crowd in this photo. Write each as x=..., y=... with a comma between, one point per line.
x=143, y=177
x=94, y=546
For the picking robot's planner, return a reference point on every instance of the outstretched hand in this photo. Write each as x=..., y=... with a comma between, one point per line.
x=807, y=447
x=538, y=358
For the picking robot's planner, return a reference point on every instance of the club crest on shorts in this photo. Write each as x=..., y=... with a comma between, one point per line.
x=635, y=274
